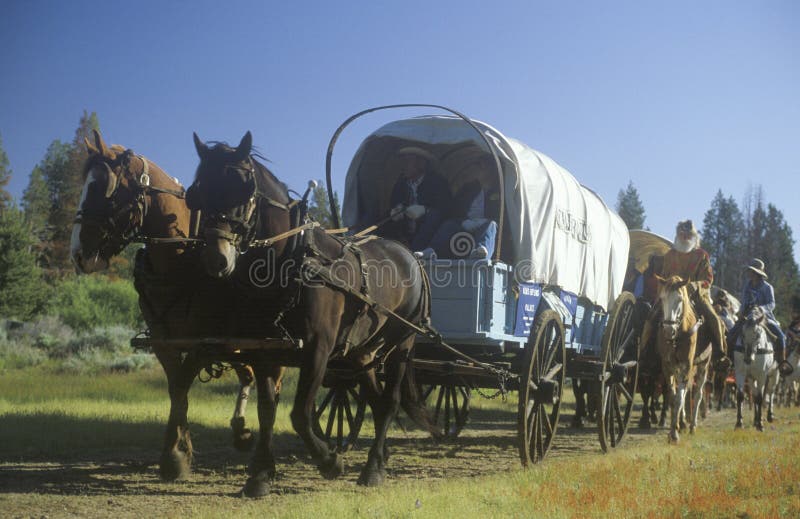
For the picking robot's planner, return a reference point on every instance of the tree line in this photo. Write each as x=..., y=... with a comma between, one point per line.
x=35, y=232
x=733, y=234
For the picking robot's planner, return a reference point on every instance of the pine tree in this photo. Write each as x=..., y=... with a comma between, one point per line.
x=62, y=170
x=53, y=169
x=723, y=234
x=24, y=292
x=6, y=200
x=36, y=208
x=319, y=207
x=630, y=207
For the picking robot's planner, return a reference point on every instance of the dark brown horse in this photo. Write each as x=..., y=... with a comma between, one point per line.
x=127, y=198
x=344, y=299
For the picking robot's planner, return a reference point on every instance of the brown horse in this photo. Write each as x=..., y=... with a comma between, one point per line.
x=126, y=198
x=333, y=299
x=684, y=364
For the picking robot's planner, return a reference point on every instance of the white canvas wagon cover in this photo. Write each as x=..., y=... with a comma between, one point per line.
x=558, y=231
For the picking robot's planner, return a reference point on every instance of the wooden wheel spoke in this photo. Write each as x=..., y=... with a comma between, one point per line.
x=325, y=403
x=625, y=393
x=349, y=413
x=331, y=419
x=548, y=425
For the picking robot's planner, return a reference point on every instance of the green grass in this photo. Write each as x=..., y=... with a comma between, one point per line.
x=88, y=446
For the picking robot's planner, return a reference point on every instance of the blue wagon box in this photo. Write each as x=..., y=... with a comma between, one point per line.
x=472, y=301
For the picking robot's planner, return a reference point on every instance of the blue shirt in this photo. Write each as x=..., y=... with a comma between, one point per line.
x=760, y=294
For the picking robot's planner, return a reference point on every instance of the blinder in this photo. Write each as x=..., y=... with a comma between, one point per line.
x=116, y=231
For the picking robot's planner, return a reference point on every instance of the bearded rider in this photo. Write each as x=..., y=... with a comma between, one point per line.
x=687, y=260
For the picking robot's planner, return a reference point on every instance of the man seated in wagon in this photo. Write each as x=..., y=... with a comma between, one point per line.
x=469, y=213
x=419, y=199
x=687, y=260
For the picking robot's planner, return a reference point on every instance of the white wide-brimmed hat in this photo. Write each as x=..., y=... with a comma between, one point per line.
x=757, y=266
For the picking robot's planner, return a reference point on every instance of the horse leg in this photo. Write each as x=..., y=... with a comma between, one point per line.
x=374, y=472
x=647, y=395
x=262, y=466
x=739, y=401
x=758, y=399
x=580, y=402
x=312, y=371
x=676, y=396
x=176, y=456
x=242, y=436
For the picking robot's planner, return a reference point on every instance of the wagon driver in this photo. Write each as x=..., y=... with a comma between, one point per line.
x=687, y=260
x=419, y=199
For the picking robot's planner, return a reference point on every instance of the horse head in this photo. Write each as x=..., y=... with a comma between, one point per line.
x=675, y=306
x=114, y=203
x=754, y=335
x=238, y=198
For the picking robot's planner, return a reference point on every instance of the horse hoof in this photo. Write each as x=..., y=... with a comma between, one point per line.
x=256, y=486
x=691, y=429
x=333, y=467
x=770, y=417
x=174, y=466
x=372, y=478
x=644, y=423
x=738, y=425
x=244, y=441
x=577, y=422
x=759, y=427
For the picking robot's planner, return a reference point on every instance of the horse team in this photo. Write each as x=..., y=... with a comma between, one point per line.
x=250, y=264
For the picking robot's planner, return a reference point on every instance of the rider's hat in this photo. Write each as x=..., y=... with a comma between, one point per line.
x=757, y=266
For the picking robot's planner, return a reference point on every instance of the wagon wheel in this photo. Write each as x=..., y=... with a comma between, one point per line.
x=450, y=407
x=620, y=372
x=540, y=387
x=339, y=414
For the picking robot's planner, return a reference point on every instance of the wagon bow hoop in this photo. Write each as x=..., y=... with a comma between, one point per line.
x=340, y=129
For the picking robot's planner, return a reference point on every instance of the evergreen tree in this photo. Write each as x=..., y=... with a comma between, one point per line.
x=777, y=252
x=319, y=206
x=36, y=202
x=723, y=235
x=769, y=237
x=5, y=176
x=62, y=170
x=53, y=169
x=24, y=292
x=630, y=207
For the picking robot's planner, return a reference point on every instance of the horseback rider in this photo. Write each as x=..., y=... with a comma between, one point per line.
x=687, y=260
x=757, y=292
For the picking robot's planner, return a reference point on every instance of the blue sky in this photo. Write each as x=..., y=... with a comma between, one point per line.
x=682, y=98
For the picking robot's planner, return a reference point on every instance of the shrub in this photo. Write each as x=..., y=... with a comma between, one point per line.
x=84, y=302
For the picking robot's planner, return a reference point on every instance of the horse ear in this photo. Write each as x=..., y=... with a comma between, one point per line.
x=112, y=181
x=90, y=148
x=101, y=145
x=245, y=146
x=200, y=146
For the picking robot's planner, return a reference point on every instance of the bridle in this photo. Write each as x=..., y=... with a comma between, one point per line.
x=116, y=230
x=242, y=220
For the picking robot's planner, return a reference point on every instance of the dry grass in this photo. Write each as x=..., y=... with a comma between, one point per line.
x=87, y=446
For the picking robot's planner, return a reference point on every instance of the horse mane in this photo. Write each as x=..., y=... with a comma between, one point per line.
x=219, y=148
